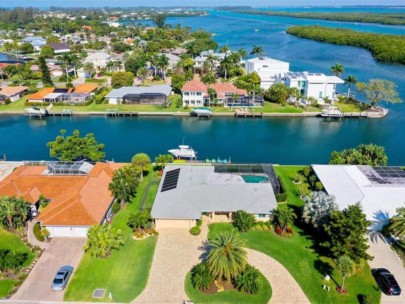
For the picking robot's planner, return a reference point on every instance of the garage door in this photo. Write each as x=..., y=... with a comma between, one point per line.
x=174, y=223
x=66, y=231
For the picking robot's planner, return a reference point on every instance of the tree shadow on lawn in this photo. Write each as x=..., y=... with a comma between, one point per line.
x=324, y=268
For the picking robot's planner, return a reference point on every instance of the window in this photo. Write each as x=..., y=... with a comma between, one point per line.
x=320, y=94
x=198, y=93
x=186, y=93
x=262, y=215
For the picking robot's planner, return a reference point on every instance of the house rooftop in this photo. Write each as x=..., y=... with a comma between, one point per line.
x=187, y=191
x=155, y=89
x=11, y=91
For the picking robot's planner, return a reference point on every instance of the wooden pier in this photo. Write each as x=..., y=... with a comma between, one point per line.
x=247, y=114
x=116, y=113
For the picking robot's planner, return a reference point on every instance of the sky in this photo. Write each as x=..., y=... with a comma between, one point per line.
x=257, y=3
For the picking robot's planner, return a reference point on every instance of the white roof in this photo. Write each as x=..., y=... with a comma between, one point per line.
x=199, y=189
x=349, y=184
x=267, y=60
x=313, y=77
x=98, y=56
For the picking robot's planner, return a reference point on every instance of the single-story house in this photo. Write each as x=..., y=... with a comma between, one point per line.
x=36, y=42
x=77, y=192
x=59, y=48
x=156, y=94
x=55, y=69
x=79, y=94
x=98, y=59
x=187, y=192
x=380, y=190
x=12, y=93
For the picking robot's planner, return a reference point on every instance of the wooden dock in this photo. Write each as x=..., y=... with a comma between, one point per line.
x=247, y=114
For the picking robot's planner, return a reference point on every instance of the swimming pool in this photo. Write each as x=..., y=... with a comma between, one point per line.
x=255, y=179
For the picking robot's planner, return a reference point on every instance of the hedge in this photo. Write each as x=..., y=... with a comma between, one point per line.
x=282, y=197
x=195, y=230
x=38, y=233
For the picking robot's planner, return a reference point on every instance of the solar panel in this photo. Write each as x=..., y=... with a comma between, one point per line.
x=171, y=179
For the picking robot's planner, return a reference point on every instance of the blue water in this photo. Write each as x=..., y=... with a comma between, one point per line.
x=6, y=57
x=276, y=140
x=254, y=179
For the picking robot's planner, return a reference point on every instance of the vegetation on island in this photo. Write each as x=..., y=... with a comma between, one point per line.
x=369, y=155
x=387, y=19
x=386, y=48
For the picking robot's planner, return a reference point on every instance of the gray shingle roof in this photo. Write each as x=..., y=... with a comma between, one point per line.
x=200, y=189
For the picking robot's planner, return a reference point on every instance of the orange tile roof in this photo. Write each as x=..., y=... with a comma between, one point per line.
x=86, y=88
x=194, y=85
x=40, y=94
x=11, y=91
x=220, y=88
x=75, y=200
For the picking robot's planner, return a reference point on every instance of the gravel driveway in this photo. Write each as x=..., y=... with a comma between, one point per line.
x=61, y=251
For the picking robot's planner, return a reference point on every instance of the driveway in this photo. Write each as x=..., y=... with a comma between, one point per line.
x=384, y=257
x=61, y=251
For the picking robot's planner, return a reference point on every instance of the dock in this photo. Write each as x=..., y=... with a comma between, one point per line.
x=247, y=114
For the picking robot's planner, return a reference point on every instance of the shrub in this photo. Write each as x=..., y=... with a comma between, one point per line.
x=10, y=260
x=201, y=277
x=116, y=207
x=7, y=101
x=69, y=85
x=319, y=186
x=195, y=230
x=282, y=197
x=157, y=78
x=249, y=280
x=199, y=223
x=38, y=233
x=62, y=78
x=243, y=221
x=45, y=233
x=306, y=171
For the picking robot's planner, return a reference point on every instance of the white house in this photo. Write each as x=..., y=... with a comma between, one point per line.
x=59, y=48
x=380, y=190
x=99, y=60
x=268, y=69
x=315, y=85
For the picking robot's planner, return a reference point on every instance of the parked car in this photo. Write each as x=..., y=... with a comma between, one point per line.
x=62, y=277
x=386, y=281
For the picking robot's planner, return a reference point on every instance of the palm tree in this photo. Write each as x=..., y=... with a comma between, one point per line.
x=117, y=65
x=75, y=60
x=224, y=49
x=242, y=53
x=225, y=65
x=350, y=80
x=88, y=67
x=284, y=217
x=257, y=50
x=295, y=94
x=154, y=61
x=142, y=74
x=66, y=60
x=109, y=65
x=397, y=223
x=163, y=63
x=226, y=256
x=337, y=69
x=345, y=266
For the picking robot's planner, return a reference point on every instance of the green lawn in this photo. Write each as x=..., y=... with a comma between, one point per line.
x=125, y=273
x=299, y=258
x=348, y=107
x=12, y=242
x=228, y=296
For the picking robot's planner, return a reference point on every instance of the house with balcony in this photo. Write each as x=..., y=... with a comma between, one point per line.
x=268, y=69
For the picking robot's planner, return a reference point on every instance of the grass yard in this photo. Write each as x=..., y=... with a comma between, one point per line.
x=348, y=107
x=228, y=296
x=125, y=273
x=300, y=259
x=12, y=242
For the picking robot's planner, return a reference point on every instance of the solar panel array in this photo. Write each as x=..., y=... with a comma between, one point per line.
x=384, y=175
x=390, y=172
x=171, y=179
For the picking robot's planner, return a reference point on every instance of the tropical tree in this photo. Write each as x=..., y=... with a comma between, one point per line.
x=396, y=224
x=243, y=221
x=201, y=277
x=257, y=51
x=295, y=94
x=349, y=81
x=242, y=53
x=122, y=79
x=139, y=220
x=102, y=240
x=46, y=77
x=226, y=257
x=14, y=212
x=74, y=147
x=162, y=159
x=337, y=69
x=249, y=280
x=178, y=81
x=159, y=20
x=47, y=51
x=224, y=49
x=141, y=161
x=277, y=93
x=346, y=267
x=284, y=217
x=109, y=65
x=318, y=207
x=66, y=60
x=142, y=74
x=225, y=65
x=377, y=90
x=124, y=183
x=370, y=155
x=163, y=64
x=345, y=234
x=88, y=68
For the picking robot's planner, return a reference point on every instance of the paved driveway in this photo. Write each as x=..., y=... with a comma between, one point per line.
x=61, y=251
x=384, y=257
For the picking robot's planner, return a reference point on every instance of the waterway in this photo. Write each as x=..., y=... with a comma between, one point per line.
x=276, y=140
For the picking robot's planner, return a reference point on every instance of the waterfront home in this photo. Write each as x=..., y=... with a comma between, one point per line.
x=267, y=68
x=36, y=42
x=59, y=48
x=315, y=85
x=195, y=94
x=187, y=192
x=77, y=194
x=80, y=94
x=12, y=93
x=156, y=94
x=98, y=59
x=380, y=190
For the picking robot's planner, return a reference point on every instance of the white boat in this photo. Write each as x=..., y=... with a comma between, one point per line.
x=35, y=111
x=332, y=112
x=202, y=111
x=184, y=151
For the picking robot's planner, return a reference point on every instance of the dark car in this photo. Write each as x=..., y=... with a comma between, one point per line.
x=62, y=277
x=386, y=281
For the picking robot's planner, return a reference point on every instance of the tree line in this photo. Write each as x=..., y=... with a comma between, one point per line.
x=387, y=48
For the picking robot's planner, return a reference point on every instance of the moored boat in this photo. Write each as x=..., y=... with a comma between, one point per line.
x=201, y=111
x=184, y=151
x=332, y=112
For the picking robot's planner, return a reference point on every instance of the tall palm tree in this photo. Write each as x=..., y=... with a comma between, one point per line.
x=226, y=256
x=75, y=60
x=109, y=65
x=224, y=49
x=257, y=50
x=337, y=69
x=117, y=65
x=225, y=65
x=242, y=53
x=397, y=223
x=88, y=67
x=163, y=63
x=350, y=80
x=284, y=217
x=154, y=61
x=66, y=60
x=142, y=74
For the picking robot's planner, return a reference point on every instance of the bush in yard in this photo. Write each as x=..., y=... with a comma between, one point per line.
x=281, y=197
x=199, y=223
x=201, y=277
x=195, y=230
x=116, y=207
x=243, y=221
x=38, y=233
x=249, y=280
x=45, y=233
x=306, y=171
x=102, y=240
x=10, y=260
x=319, y=186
